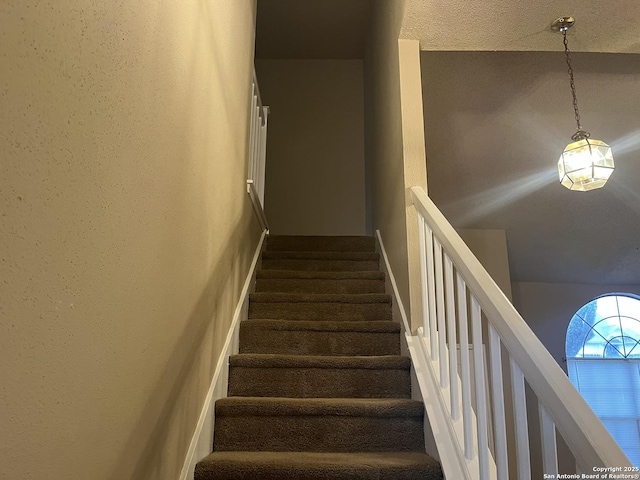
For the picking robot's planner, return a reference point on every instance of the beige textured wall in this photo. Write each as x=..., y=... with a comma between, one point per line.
x=384, y=136
x=125, y=229
x=315, y=179
x=490, y=246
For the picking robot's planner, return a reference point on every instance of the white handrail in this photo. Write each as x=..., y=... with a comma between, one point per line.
x=257, y=152
x=563, y=408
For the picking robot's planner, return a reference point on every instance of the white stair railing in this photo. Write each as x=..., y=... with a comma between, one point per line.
x=458, y=295
x=257, y=152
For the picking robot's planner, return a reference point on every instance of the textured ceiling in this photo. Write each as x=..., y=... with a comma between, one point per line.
x=337, y=28
x=513, y=25
x=496, y=120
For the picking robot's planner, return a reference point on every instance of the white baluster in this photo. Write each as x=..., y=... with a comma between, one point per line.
x=444, y=378
x=497, y=392
x=467, y=425
x=481, y=394
x=262, y=157
x=522, y=425
x=254, y=140
x=548, y=438
x=431, y=283
x=256, y=145
x=454, y=395
x=423, y=276
x=252, y=136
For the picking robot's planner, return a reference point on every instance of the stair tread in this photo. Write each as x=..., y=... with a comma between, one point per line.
x=321, y=465
x=320, y=285
x=319, y=361
x=317, y=376
x=354, y=298
x=306, y=255
x=368, y=326
x=320, y=274
x=351, y=407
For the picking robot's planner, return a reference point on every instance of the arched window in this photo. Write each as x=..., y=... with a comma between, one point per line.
x=603, y=362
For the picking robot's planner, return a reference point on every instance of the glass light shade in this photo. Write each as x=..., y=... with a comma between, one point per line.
x=585, y=165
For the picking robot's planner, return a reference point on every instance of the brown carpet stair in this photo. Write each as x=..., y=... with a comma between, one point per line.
x=303, y=337
x=324, y=306
x=321, y=466
x=312, y=243
x=301, y=281
x=319, y=376
x=318, y=425
x=319, y=389
x=321, y=261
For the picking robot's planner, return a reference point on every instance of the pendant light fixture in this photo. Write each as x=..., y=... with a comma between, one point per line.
x=586, y=163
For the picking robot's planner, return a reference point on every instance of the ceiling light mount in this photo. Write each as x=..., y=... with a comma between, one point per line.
x=562, y=24
x=580, y=135
x=585, y=164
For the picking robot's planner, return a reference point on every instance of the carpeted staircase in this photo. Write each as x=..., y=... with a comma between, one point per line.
x=319, y=389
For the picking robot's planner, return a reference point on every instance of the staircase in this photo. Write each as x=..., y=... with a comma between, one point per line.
x=319, y=389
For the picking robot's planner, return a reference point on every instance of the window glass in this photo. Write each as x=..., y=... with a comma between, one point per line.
x=607, y=327
x=603, y=362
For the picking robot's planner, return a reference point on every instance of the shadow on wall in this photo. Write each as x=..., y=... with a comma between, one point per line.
x=192, y=361
x=315, y=170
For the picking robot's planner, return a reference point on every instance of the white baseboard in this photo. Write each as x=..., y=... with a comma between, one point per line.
x=394, y=286
x=202, y=440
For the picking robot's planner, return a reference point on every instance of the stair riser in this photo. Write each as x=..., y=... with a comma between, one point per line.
x=320, y=265
x=297, y=342
x=327, y=244
x=318, y=433
x=268, y=471
x=319, y=382
x=317, y=466
x=244, y=472
x=320, y=311
x=320, y=286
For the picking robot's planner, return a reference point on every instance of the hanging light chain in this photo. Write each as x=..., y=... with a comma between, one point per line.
x=571, y=81
x=584, y=164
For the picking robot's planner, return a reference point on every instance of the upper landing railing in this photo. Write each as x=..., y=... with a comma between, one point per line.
x=257, y=152
x=458, y=294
